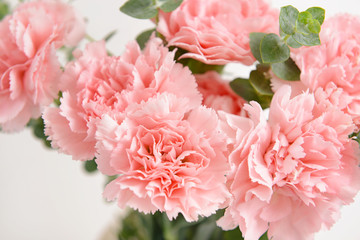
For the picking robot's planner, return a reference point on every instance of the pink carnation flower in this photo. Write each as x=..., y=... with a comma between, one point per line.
x=29, y=68
x=337, y=62
x=217, y=32
x=292, y=173
x=217, y=93
x=97, y=84
x=167, y=157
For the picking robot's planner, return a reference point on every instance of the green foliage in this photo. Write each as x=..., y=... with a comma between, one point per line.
x=264, y=237
x=297, y=29
x=256, y=88
x=198, y=67
x=233, y=234
x=287, y=70
x=301, y=28
x=260, y=83
x=57, y=101
x=143, y=37
x=195, y=66
x=4, y=9
x=90, y=166
x=142, y=9
x=273, y=49
x=38, y=127
x=243, y=88
x=291, y=42
x=158, y=227
x=169, y=5
x=311, y=39
x=255, y=40
x=145, y=9
x=110, y=35
x=303, y=19
x=317, y=13
x=136, y=226
x=287, y=19
x=355, y=136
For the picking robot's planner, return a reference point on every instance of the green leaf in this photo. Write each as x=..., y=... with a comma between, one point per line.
x=4, y=10
x=289, y=40
x=143, y=37
x=302, y=22
x=243, y=88
x=263, y=67
x=57, y=101
x=142, y=9
x=110, y=35
x=260, y=83
x=264, y=237
x=90, y=166
x=255, y=40
x=265, y=101
x=136, y=226
x=307, y=24
x=287, y=19
x=197, y=67
x=292, y=43
x=47, y=143
x=258, y=89
x=282, y=34
x=304, y=17
x=233, y=234
x=145, y=9
x=287, y=70
x=307, y=28
x=205, y=230
x=38, y=127
x=355, y=136
x=169, y=5
x=314, y=26
x=311, y=39
x=273, y=49
x=317, y=13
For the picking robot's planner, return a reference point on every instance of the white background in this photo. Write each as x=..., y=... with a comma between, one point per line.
x=45, y=195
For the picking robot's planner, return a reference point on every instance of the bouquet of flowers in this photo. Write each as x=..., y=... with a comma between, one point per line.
x=194, y=155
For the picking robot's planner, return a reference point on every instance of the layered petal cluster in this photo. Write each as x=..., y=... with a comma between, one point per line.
x=29, y=68
x=168, y=157
x=292, y=173
x=96, y=84
x=337, y=63
x=217, y=32
x=217, y=93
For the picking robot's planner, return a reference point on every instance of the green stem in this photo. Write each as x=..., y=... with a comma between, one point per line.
x=286, y=38
x=89, y=38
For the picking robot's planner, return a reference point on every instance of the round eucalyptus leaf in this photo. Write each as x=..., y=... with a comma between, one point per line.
x=273, y=49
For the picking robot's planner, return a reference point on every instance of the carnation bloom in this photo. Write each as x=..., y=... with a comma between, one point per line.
x=292, y=173
x=337, y=63
x=217, y=93
x=97, y=84
x=217, y=32
x=29, y=68
x=167, y=157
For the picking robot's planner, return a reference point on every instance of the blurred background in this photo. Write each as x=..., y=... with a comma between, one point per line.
x=47, y=195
